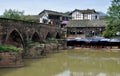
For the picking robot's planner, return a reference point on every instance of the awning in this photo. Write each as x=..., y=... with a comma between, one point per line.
x=114, y=40
x=64, y=22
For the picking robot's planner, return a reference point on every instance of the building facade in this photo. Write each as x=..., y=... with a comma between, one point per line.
x=85, y=23
x=54, y=18
x=85, y=28
x=89, y=14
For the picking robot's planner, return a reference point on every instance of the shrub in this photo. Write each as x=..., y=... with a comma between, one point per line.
x=4, y=48
x=53, y=40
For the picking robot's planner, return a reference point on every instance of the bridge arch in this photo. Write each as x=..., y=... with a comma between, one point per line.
x=57, y=36
x=48, y=35
x=35, y=37
x=15, y=38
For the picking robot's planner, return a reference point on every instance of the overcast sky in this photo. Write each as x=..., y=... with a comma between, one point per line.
x=33, y=7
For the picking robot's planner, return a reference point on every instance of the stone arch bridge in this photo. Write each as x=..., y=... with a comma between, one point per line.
x=16, y=32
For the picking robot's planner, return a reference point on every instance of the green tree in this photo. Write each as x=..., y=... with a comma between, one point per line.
x=68, y=12
x=113, y=19
x=14, y=14
x=114, y=9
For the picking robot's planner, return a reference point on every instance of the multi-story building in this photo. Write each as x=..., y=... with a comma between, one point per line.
x=85, y=23
x=54, y=18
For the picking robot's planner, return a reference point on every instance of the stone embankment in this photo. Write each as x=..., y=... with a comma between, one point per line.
x=15, y=59
x=37, y=51
x=11, y=59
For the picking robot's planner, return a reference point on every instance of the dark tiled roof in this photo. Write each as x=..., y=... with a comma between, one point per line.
x=86, y=23
x=91, y=11
x=54, y=13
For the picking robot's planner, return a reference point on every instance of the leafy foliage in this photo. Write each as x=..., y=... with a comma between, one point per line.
x=114, y=9
x=10, y=48
x=112, y=28
x=28, y=43
x=52, y=40
x=68, y=12
x=14, y=14
x=113, y=19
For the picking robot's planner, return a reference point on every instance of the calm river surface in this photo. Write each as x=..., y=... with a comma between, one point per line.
x=80, y=62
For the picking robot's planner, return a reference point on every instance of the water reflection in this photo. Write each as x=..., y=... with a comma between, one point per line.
x=93, y=64
x=88, y=57
x=70, y=63
x=65, y=73
x=101, y=74
x=69, y=73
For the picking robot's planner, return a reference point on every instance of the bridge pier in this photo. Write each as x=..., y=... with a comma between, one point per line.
x=11, y=59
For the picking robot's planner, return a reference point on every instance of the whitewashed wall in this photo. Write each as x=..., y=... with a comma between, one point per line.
x=79, y=16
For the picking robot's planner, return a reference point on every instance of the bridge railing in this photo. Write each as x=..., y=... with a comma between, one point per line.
x=28, y=23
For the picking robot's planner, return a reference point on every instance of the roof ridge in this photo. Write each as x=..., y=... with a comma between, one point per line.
x=52, y=11
x=86, y=10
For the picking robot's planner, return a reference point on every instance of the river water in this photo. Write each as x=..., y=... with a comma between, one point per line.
x=79, y=62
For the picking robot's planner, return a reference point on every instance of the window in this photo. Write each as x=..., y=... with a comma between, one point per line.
x=89, y=16
x=85, y=16
x=80, y=32
x=96, y=17
x=63, y=18
x=45, y=21
x=72, y=32
x=79, y=16
x=67, y=18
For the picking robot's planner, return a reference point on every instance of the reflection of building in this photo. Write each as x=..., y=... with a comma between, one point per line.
x=54, y=18
x=85, y=23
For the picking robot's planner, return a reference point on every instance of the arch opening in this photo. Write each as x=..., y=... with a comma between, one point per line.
x=48, y=35
x=57, y=36
x=15, y=39
x=35, y=37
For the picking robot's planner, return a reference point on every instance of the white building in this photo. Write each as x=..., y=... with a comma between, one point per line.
x=54, y=18
x=89, y=14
